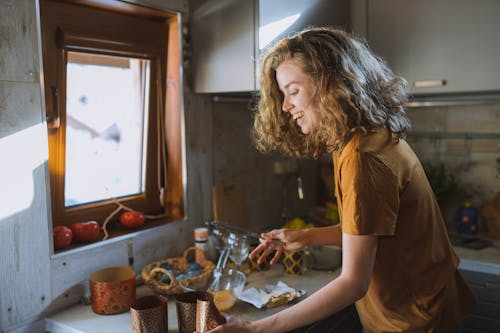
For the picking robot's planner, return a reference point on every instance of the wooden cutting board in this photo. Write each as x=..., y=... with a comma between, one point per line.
x=228, y=203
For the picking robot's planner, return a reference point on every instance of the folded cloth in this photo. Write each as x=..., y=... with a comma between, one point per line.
x=271, y=295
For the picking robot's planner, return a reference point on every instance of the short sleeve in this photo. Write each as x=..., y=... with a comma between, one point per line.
x=369, y=196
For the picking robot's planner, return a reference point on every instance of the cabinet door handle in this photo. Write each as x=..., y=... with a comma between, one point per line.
x=429, y=83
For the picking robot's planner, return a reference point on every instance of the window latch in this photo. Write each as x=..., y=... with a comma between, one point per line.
x=53, y=120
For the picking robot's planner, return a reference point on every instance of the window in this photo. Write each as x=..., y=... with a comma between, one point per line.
x=106, y=119
x=114, y=122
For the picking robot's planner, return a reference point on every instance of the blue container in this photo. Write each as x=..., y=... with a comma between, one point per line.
x=468, y=219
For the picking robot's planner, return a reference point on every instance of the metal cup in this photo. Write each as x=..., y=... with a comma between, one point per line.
x=112, y=289
x=149, y=314
x=197, y=312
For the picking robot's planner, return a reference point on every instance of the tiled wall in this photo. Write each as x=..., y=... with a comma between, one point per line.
x=236, y=159
x=472, y=162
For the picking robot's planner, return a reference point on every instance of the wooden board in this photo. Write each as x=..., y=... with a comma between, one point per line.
x=228, y=203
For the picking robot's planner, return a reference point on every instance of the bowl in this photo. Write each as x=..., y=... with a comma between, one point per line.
x=230, y=285
x=233, y=280
x=227, y=291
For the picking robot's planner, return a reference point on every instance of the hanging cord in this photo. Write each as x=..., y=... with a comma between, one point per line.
x=161, y=135
x=123, y=207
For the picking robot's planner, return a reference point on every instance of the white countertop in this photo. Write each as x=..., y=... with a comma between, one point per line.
x=486, y=260
x=81, y=319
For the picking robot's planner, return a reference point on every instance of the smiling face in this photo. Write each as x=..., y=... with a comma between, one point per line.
x=298, y=90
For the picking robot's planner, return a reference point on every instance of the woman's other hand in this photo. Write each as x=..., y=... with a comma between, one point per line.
x=279, y=240
x=233, y=325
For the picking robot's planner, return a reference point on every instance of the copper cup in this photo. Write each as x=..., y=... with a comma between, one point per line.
x=185, y=304
x=149, y=314
x=207, y=315
x=196, y=311
x=112, y=290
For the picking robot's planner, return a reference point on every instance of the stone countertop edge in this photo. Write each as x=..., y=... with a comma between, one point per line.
x=478, y=266
x=486, y=260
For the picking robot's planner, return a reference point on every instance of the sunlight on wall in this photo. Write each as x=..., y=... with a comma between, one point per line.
x=22, y=153
x=269, y=32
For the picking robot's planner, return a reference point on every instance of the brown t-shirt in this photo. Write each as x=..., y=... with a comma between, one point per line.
x=382, y=190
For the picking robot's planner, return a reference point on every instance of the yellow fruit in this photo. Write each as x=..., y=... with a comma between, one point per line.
x=331, y=205
x=296, y=223
x=224, y=300
x=332, y=212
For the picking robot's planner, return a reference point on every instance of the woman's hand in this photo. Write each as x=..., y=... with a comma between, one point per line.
x=279, y=240
x=233, y=325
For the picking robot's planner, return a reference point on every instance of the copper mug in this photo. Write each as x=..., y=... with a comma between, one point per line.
x=149, y=314
x=112, y=289
x=196, y=311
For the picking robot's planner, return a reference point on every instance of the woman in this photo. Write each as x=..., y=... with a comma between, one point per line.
x=324, y=91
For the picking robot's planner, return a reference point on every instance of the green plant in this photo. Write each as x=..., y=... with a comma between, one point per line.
x=444, y=183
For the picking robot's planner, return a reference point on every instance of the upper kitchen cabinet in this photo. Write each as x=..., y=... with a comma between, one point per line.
x=439, y=46
x=228, y=36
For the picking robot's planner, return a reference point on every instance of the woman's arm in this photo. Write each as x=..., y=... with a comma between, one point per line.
x=358, y=257
x=331, y=235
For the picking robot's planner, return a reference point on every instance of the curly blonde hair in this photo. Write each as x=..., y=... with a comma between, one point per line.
x=355, y=93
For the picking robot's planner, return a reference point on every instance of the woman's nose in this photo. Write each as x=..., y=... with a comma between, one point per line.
x=287, y=106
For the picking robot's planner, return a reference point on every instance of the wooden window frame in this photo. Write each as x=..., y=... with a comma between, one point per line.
x=165, y=98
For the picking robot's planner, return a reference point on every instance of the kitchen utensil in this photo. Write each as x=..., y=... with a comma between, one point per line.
x=221, y=264
x=239, y=247
x=228, y=228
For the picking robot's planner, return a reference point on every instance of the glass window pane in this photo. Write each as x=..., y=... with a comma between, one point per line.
x=106, y=113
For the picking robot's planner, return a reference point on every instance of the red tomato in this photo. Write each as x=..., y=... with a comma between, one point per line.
x=62, y=236
x=85, y=231
x=132, y=219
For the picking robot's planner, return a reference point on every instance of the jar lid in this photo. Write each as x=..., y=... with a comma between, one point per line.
x=200, y=233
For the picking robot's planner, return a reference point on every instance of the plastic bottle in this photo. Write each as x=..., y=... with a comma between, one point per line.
x=468, y=219
x=200, y=241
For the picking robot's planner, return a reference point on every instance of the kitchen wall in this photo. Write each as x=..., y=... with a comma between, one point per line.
x=33, y=281
x=235, y=158
x=471, y=162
